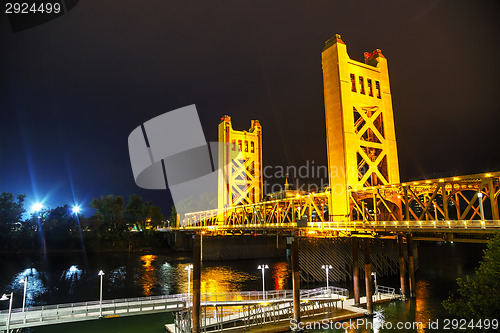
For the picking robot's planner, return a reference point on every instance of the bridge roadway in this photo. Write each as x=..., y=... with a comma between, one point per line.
x=436, y=230
x=75, y=312
x=466, y=205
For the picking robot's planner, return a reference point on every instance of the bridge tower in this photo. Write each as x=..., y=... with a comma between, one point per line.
x=361, y=140
x=242, y=176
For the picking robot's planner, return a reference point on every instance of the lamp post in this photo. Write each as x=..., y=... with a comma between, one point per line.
x=374, y=274
x=189, y=268
x=481, y=208
x=25, y=281
x=4, y=298
x=101, y=274
x=327, y=268
x=263, y=268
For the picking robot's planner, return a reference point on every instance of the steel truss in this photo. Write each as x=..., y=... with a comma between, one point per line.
x=460, y=198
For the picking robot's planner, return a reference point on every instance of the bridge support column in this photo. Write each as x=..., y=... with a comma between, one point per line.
x=368, y=276
x=296, y=279
x=411, y=267
x=493, y=201
x=355, y=270
x=402, y=269
x=196, y=284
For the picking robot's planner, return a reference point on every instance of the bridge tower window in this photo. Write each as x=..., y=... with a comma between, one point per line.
x=370, y=88
x=361, y=85
x=353, y=83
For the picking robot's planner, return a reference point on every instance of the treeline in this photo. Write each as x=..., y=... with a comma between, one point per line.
x=115, y=225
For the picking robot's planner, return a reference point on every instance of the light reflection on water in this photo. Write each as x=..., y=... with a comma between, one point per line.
x=34, y=287
x=147, y=274
x=279, y=272
x=117, y=277
x=223, y=279
x=70, y=278
x=132, y=275
x=166, y=276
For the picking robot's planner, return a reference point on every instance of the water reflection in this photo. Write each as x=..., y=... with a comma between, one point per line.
x=71, y=276
x=117, y=277
x=166, y=276
x=213, y=279
x=34, y=287
x=147, y=274
x=423, y=312
x=280, y=275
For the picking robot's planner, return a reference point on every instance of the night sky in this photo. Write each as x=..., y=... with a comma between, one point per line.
x=73, y=89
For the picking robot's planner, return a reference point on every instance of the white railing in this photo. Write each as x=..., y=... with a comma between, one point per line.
x=385, y=291
x=69, y=312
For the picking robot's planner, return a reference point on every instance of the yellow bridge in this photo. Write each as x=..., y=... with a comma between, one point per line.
x=456, y=204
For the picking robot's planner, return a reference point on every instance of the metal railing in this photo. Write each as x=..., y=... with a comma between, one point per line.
x=70, y=312
x=368, y=225
x=385, y=291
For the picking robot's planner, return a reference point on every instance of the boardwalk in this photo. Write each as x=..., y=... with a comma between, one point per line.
x=275, y=314
x=74, y=312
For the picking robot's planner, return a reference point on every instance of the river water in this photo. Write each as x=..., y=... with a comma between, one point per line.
x=72, y=277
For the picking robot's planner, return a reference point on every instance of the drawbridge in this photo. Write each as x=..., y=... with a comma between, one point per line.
x=365, y=196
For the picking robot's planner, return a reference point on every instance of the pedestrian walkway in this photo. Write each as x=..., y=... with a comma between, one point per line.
x=274, y=315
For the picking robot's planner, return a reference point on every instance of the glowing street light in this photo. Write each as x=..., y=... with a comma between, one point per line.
x=327, y=268
x=189, y=268
x=481, y=208
x=101, y=274
x=76, y=209
x=263, y=268
x=36, y=207
x=25, y=281
x=4, y=298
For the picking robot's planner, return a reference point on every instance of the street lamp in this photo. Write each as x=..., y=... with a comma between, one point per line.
x=263, y=268
x=25, y=281
x=375, y=280
x=481, y=208
x=4, y=298
x=36, y=207
x=327, y=268
x=189, y=268
x=101, y=274
x=76, y=209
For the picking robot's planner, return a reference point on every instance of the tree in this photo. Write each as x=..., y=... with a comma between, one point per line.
x=136, y=212
x=173, y=217
x=143, y=214
x=108, y=220
x=155, y=216
x=11, y=211
x=478, y=296
x=61, y=227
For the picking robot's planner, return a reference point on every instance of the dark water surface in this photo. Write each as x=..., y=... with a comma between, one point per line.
x=71, y=277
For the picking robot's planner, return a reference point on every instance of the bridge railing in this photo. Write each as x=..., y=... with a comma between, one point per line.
x=325, y=292
x=396, y=225
x=245, y=296
x=105, y=303
x=427, y=224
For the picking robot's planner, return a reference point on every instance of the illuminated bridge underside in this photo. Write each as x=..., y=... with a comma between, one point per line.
x=431, y=206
